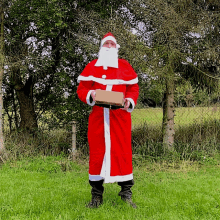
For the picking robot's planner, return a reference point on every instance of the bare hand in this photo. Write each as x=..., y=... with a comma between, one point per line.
x=127, y=104
x=93, y=95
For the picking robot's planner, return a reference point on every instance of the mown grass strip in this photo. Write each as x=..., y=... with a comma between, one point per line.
x=184, y=116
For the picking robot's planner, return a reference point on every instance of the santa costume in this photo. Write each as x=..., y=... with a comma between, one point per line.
x=109, y=129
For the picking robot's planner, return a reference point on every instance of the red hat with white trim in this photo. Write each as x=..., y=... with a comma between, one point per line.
x=109, y=36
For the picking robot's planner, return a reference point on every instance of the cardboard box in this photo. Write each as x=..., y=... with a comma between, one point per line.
x=109, y=98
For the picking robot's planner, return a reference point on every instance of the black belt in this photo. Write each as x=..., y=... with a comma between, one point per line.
x=109, y=106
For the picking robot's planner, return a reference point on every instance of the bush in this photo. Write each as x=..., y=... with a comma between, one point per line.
x=47, y=142
x=192, y=142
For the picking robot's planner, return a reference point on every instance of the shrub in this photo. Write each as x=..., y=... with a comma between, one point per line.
x=192, y=142
x=47, y=142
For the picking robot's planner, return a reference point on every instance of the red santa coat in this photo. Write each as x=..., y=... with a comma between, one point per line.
x=109, y=130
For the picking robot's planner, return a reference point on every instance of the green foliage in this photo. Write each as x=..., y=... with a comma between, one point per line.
x=48, y=142
x=171, y=29
x=151, y=91
x=177, y=39
x=183, y=37
x=188, y=95
x=48, y=44
x=196, y=132
x=102, y=7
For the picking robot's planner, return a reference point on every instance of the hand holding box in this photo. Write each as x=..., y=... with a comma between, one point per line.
x=110, y=98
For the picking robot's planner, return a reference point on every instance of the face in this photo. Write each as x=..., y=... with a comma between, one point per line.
x=109, y=44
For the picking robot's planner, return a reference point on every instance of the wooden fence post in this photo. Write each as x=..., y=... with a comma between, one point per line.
x=74, y=140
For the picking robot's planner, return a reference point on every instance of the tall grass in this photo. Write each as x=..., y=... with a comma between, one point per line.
x=197, y=133
x=41, y=142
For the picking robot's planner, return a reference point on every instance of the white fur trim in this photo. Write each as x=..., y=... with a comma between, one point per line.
x=88, y=98
x=132, y=103
x=112, y=179
x=95, y=177
x=108, y=38
x=106, y=165
x=105, y=172
x=107, y=81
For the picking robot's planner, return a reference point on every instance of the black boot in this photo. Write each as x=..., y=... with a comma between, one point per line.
x=97, y=191
x=126, y=192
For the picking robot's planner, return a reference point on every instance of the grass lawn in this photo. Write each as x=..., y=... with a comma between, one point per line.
x=40, y=189
x=184, y=116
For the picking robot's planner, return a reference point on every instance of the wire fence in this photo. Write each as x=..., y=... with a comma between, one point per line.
x=184, y=116
x=196, y=128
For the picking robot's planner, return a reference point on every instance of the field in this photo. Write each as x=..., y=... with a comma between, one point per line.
x=183, y=116
x=49, y=187
x=55, y=188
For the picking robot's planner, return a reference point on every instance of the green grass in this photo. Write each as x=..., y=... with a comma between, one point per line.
x=151, y=116
x=184, y=116
x=198, y=127
x=55, y=188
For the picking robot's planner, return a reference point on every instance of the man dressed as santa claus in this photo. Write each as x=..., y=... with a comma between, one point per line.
x=109, y=128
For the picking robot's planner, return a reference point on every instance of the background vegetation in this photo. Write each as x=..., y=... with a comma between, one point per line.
x=173, y=45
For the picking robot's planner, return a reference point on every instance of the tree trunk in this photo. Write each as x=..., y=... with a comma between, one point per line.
x=27, y=113
x=16, y=120
x=168, y=116
x=26, y=103
x=1, y=76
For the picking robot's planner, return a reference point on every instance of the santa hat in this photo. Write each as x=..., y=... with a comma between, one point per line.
x=109, y=36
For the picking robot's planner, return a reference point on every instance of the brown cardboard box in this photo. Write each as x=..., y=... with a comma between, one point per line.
x=109, y=98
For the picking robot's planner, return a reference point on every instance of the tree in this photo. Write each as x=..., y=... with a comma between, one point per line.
x=171, y=28
x=48, y=45
x=1, y=73
x=42, y=50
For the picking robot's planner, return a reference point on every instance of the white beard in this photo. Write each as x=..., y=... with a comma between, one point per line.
x=108, y=57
